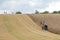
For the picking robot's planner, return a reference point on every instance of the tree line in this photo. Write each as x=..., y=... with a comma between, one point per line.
x=45, y=12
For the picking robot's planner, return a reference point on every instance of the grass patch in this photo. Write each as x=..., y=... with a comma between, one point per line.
x=11, y=30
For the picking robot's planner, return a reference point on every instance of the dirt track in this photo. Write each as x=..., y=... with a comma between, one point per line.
x=22, y=27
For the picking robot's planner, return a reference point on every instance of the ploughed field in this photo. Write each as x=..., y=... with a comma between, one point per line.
x=52, y=21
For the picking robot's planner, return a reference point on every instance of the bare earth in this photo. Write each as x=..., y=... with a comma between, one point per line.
x=52, y=20
x=22, y=27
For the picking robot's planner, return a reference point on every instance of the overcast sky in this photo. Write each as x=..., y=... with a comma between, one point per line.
x=29, y=6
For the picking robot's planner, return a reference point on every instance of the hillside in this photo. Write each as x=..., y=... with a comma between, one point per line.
x=22, y=27
x=52, y=20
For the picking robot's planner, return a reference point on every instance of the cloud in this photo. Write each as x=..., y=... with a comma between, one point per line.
x=54, y=6
x=29, y=5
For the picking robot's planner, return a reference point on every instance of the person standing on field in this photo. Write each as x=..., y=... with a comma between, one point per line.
x=44, y=26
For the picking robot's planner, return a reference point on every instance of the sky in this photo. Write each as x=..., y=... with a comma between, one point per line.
x=29, y=6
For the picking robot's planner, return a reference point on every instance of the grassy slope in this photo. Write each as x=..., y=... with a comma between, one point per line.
x=21, y=27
